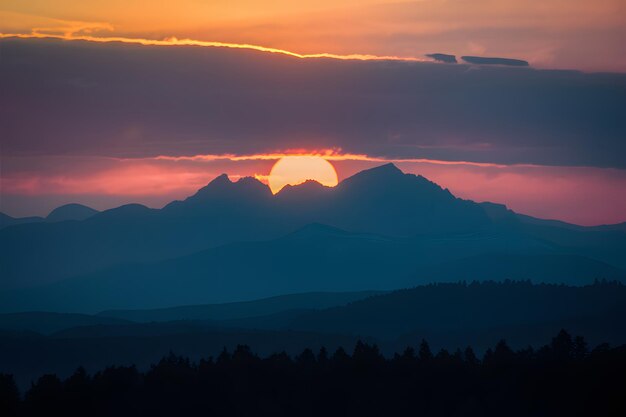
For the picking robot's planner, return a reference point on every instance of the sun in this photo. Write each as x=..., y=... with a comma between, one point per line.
x=295, y=170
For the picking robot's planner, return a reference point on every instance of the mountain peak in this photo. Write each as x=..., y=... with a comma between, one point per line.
x=126, y=211
x=306, y=185
x=218, y=183
x=253, y=185
x=382, y=175
x=385, y=172
x=308, y=192
x=247, y=180
x=389, y=176
x=222, y=189
x=388, y=168
x=247, y=184
x=221, y=179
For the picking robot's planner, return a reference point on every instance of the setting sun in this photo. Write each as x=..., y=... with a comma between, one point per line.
x=295, y=170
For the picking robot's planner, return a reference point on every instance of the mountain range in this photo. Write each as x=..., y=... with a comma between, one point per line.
x=72, y=211
x=380, y=229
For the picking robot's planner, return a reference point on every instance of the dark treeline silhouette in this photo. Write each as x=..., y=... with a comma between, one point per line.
x=562, y=378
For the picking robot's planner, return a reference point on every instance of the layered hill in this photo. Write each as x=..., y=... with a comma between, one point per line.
x=6, y=220
x=314, y=258
x=72, y=211
x=381, y=200
x=380, y=229
x=446, y=315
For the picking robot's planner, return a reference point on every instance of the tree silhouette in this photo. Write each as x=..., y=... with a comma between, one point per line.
x=44, y=395
x=562, y=378
x=9, y=394
x=580, y=347
x=470, y=356
x=563, y=345
x=425, y=354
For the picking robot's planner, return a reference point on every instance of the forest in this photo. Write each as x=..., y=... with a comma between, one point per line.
x=564, y=377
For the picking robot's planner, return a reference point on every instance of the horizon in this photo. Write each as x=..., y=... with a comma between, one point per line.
x=264, y=180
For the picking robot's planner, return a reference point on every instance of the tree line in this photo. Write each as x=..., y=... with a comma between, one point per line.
x=564, y=377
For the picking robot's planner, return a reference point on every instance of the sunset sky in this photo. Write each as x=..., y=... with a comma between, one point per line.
x=111, y=102
x=577, y=34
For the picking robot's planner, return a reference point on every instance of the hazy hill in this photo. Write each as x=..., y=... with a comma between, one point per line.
x=379, y=229
x=71, y=211
x=546, y=268
x=27, y=357
x=46, y=322
x=447, y=315
x=6, y=220
x=230, y=311
x=450, y=313
x=314, y=258
x=209, y=314
x=381, y=200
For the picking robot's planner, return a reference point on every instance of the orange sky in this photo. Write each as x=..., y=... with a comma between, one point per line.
x=549, y=33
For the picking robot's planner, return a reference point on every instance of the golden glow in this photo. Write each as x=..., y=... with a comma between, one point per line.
x=172, y=41
x=295, y=170
x=334, y=154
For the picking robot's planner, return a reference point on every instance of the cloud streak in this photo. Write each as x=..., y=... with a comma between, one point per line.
x=70, y=35
x=328, y=154
x=115, y=99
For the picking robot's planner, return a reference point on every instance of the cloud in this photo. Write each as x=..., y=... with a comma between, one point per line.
x=80, y=32
x=125, y=100
x=480, y=60
x=32, y=25
x=449, y=59
x=550, y=33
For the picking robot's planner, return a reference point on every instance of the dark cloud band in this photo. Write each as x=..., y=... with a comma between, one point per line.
x=128, y=100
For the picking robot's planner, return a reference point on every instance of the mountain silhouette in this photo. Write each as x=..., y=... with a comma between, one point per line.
x=71, y=211
x=240, y=310
x=379, y=229
x=220, y=194
x=302, y=196
x=387, y=201
x=47, y=323
x=315, y=258
x=6, y=220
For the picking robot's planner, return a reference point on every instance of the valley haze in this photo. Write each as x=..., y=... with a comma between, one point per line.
x=380, y=229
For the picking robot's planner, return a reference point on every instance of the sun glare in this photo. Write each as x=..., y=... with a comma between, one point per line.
x=295, y=170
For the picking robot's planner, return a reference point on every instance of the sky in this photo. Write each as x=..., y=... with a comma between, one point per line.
x=574, y=34
x=110, y=102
